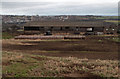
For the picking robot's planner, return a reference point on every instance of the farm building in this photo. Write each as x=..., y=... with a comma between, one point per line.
x=68, y=27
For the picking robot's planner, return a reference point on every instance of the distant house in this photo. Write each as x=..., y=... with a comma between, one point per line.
x=68, y=27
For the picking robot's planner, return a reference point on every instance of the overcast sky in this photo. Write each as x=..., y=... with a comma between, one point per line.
x=59, y=7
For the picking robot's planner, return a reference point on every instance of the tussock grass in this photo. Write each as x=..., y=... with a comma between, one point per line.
x=27, y=65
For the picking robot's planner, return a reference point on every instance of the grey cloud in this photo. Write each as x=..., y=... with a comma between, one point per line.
x=53, y=8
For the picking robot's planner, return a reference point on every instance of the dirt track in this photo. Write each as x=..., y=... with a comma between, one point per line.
x=89, y=48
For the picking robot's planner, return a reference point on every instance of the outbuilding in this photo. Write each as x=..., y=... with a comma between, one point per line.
x=68, y=27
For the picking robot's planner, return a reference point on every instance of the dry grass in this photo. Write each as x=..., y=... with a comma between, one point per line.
x=26, y=65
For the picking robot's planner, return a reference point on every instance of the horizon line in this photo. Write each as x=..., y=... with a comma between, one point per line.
x=58, y=15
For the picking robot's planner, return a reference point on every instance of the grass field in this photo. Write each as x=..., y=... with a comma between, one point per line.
x=107, y=17
x=6, y=35
x=90, y=57
x=27, y=65
x=113, y=21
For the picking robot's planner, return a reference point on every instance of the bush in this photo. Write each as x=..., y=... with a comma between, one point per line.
x=6, y=35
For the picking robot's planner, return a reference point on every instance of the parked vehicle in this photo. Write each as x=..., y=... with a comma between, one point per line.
x=48, y=33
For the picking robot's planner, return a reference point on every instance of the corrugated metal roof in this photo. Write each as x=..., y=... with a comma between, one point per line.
x=67, y=23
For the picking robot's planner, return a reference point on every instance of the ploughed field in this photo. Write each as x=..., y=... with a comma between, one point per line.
x=91, y=48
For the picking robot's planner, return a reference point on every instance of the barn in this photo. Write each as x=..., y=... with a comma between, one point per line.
x=68, y=27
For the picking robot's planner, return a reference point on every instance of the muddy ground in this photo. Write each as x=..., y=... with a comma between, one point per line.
x=90, y=48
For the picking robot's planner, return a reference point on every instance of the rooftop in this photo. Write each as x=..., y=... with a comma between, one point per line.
x=68, y=23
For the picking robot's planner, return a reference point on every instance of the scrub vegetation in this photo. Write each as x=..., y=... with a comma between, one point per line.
x=27, y=65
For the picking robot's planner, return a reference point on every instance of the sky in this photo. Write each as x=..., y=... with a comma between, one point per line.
x=59, y=7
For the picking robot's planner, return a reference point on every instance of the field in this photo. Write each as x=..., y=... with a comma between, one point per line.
x=113, y=21
x=91, y=57
x=6, y=35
